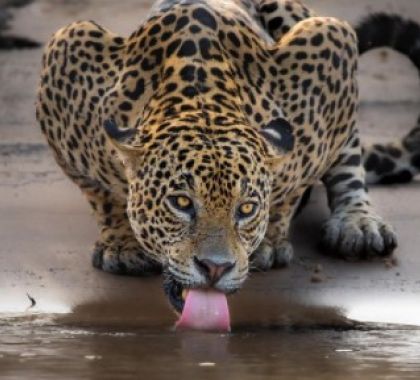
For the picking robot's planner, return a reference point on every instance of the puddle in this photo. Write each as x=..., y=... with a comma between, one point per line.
x=40, y=349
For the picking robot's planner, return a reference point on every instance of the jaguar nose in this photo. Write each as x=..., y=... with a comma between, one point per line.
x=212, y=270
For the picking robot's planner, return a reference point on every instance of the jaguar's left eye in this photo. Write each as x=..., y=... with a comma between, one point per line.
x=247, y=209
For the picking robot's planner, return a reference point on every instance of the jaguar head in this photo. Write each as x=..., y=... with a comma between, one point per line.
x=199, y=198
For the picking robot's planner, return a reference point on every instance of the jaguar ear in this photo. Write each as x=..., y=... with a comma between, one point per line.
x=279, y=134
x=122, y=139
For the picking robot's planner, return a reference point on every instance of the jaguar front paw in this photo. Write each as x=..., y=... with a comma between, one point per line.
x=358, y=235
x=269, y=255
x=117, y=260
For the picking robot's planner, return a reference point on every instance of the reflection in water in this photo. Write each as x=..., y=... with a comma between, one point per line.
x=204, y=347
x=34, y=351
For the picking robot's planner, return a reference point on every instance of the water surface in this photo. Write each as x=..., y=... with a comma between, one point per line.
x=39, y=349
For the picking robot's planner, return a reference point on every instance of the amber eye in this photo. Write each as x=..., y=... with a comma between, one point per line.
x=247, y=209
x=182, y=203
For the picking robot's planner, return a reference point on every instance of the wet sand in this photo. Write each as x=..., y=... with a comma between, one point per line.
x=304, y=322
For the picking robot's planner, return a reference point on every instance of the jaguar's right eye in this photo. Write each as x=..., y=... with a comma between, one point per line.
x=182, y=203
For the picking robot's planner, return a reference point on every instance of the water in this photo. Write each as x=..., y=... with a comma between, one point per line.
x=39, y=349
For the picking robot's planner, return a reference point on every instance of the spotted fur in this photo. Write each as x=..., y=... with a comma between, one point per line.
x=222, y=102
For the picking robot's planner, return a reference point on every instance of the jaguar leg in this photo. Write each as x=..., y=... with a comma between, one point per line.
x=354, y=229
x=117, y=250
x=276, y=249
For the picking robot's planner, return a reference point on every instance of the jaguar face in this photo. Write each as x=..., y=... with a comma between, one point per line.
x=200, y=206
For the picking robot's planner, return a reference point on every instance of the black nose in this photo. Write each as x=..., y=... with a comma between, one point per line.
x=212, y=270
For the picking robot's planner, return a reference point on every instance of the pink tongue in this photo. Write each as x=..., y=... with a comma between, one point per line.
x=205, y=310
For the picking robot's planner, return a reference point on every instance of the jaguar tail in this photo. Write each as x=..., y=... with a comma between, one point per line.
x=399, y=161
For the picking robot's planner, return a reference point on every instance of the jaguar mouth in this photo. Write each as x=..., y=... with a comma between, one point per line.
x=176, y=293
x=187, y=299
x=199, y=308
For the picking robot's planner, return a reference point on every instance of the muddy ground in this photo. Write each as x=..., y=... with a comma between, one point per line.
x=47, y=232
